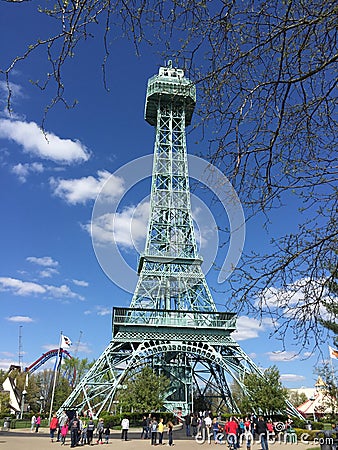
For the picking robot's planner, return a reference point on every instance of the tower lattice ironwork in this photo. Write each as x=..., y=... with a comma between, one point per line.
x=172, y=324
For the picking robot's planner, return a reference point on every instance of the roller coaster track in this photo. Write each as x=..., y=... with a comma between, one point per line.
x=48, y=355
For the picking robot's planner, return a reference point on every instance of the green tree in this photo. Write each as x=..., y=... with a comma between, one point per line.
x=330, y=391
x=331, y=323
x=4, y=396
x=75, y=366
x=265, y=395
x=297, y=398
x=143, y=391
x=45, y=379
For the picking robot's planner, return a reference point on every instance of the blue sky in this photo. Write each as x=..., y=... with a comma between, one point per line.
x=50, y=277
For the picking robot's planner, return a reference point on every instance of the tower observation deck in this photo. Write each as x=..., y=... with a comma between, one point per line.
x=172, y=324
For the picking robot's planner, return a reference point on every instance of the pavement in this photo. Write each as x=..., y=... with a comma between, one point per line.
x=24, y=439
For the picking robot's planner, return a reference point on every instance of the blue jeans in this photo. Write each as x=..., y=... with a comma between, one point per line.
x=264, y=442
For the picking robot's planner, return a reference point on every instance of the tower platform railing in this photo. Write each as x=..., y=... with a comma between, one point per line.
x=129, y=317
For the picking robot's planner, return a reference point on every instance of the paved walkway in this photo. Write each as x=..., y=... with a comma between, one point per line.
x=26, y=440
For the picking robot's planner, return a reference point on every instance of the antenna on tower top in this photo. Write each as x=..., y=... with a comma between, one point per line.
x=78, y=344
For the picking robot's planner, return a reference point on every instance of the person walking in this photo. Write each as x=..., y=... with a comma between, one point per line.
x=207, y=426
x=194, y=424
x=90, y=431
x=84, y=430
x=63, y=419
x=149, y=419
x=215, y=429
x=74, y=426
x=99, y=430
x=106, y=435
x=160, y=429
x=64, y=431
x=53, y=426
x=262, y=431
x=153, y=431
x=170, y=427
x=247, y=433
x=145, y=428
x=33, y=420
x=125, y=428
x=187, y=419
x=37, y=423
x=231, y=428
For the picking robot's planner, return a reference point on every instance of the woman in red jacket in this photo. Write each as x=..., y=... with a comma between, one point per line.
x=54, y=423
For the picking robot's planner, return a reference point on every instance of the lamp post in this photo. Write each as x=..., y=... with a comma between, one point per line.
x=24, y=392
x=41, y=402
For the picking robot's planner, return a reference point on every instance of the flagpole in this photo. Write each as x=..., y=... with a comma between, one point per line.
x=55, y=375
x=332, y=372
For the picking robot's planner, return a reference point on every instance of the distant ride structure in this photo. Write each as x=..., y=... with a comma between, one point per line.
x=172, y=324
x=16, y=397
x=58, y=353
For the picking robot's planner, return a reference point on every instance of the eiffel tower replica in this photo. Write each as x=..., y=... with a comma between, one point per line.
x=172, y=324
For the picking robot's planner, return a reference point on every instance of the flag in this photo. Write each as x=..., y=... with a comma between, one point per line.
x=65, y=342
x=333, y=353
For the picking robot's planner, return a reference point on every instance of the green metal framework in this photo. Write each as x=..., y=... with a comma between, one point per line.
x=172, y=324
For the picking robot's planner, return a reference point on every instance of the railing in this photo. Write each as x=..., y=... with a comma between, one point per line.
x=173, y=318
x=179, y=86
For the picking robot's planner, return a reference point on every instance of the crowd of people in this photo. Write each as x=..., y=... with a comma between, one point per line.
x=82, y=430
x=235, y=431
x=154, y=430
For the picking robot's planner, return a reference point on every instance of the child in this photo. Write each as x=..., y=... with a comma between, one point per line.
x=64, y=431
x=106, y=435
x=84, y=434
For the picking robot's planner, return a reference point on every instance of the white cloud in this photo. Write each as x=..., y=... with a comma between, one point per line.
x=81, y=190
x=16, y=89
x=45, y=261
x=6, y=363
x=21, y=319
x=283, y=356
x=25, y=288
x=48, y=273
x=127, y=228
x=103, y=310
x=249, y=328
x=80, y=283
x=23, y=170
x=19, y=287
x=83, y=347
x=302, y=299
x=62, y=292
x=99, y=311
x=45, y=145
x=7, y=354
x=294, y=294
x=291, y=377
